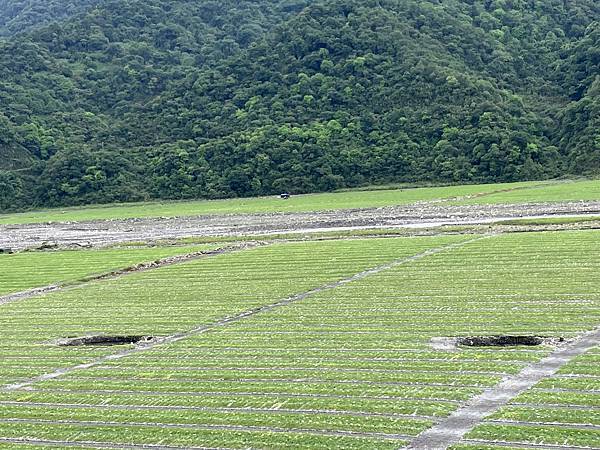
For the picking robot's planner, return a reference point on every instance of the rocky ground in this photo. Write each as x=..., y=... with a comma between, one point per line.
x=107, y=232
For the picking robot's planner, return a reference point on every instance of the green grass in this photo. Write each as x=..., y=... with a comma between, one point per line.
x=550, y=221
x=568, y=191
x=537, y=435
x=485, y=447
x=189, y=437
x=354, y=359
x=26, y=270
x=523, y=192
x=298, y=203
x=550, y=416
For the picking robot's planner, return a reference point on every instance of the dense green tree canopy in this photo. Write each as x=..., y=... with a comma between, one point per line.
x=127, y=99
x=17, y=16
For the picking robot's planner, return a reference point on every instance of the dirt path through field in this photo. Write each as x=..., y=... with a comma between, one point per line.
x=236, y=318
x=427, y=214
x=451, y=430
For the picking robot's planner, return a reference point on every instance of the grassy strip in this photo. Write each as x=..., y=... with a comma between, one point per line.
x=276, y=419
x=553, y=415
x=422, y=407
x=298, y=203
x=271, y=373
x=550, y=221
x=583, y=383
x=235, y=353
x=559, y=398
x=268, y=388
x=191, y=438
x=322, y=363
x=536, y=435
x=581, y=190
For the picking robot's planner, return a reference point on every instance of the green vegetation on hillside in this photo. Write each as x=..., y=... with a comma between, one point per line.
x=17, y=16
x=133, y=100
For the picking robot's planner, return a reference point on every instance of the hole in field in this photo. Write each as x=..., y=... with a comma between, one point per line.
x=499, y=341
x=104, y=340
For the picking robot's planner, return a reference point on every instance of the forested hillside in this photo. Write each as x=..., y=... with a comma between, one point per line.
x=128, y=100
x=17, y=16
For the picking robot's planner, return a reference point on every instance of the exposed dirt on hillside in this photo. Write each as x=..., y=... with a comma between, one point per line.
x=421, y=215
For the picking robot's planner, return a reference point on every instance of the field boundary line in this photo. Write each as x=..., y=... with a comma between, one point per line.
x=9, y=298
x=135, y=268
x=240, y=316
x=452, y=429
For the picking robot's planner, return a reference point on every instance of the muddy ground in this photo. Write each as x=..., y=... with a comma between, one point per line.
x=107, y=232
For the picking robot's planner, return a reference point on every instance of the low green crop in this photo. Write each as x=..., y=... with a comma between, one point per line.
x=28, y=270
x=355, y=358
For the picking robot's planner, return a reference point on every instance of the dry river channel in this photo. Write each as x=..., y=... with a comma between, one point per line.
x=418, y=215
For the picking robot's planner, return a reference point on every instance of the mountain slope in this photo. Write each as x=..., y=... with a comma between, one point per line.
x=181, y=99
x=17, y=16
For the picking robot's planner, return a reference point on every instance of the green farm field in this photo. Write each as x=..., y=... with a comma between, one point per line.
x=27, y=270
x=524, y=192
x=308, y=344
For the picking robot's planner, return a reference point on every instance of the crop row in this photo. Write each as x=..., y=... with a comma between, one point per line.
x=190, y=438
x=314, y=365
x=540, y=434
x=561, y=410
x=26, y=270
x=176, y=298
x=301, y=388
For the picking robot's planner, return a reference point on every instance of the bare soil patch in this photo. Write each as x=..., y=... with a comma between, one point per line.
x=104, y=340
x=499, y=341
x=455, y=343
